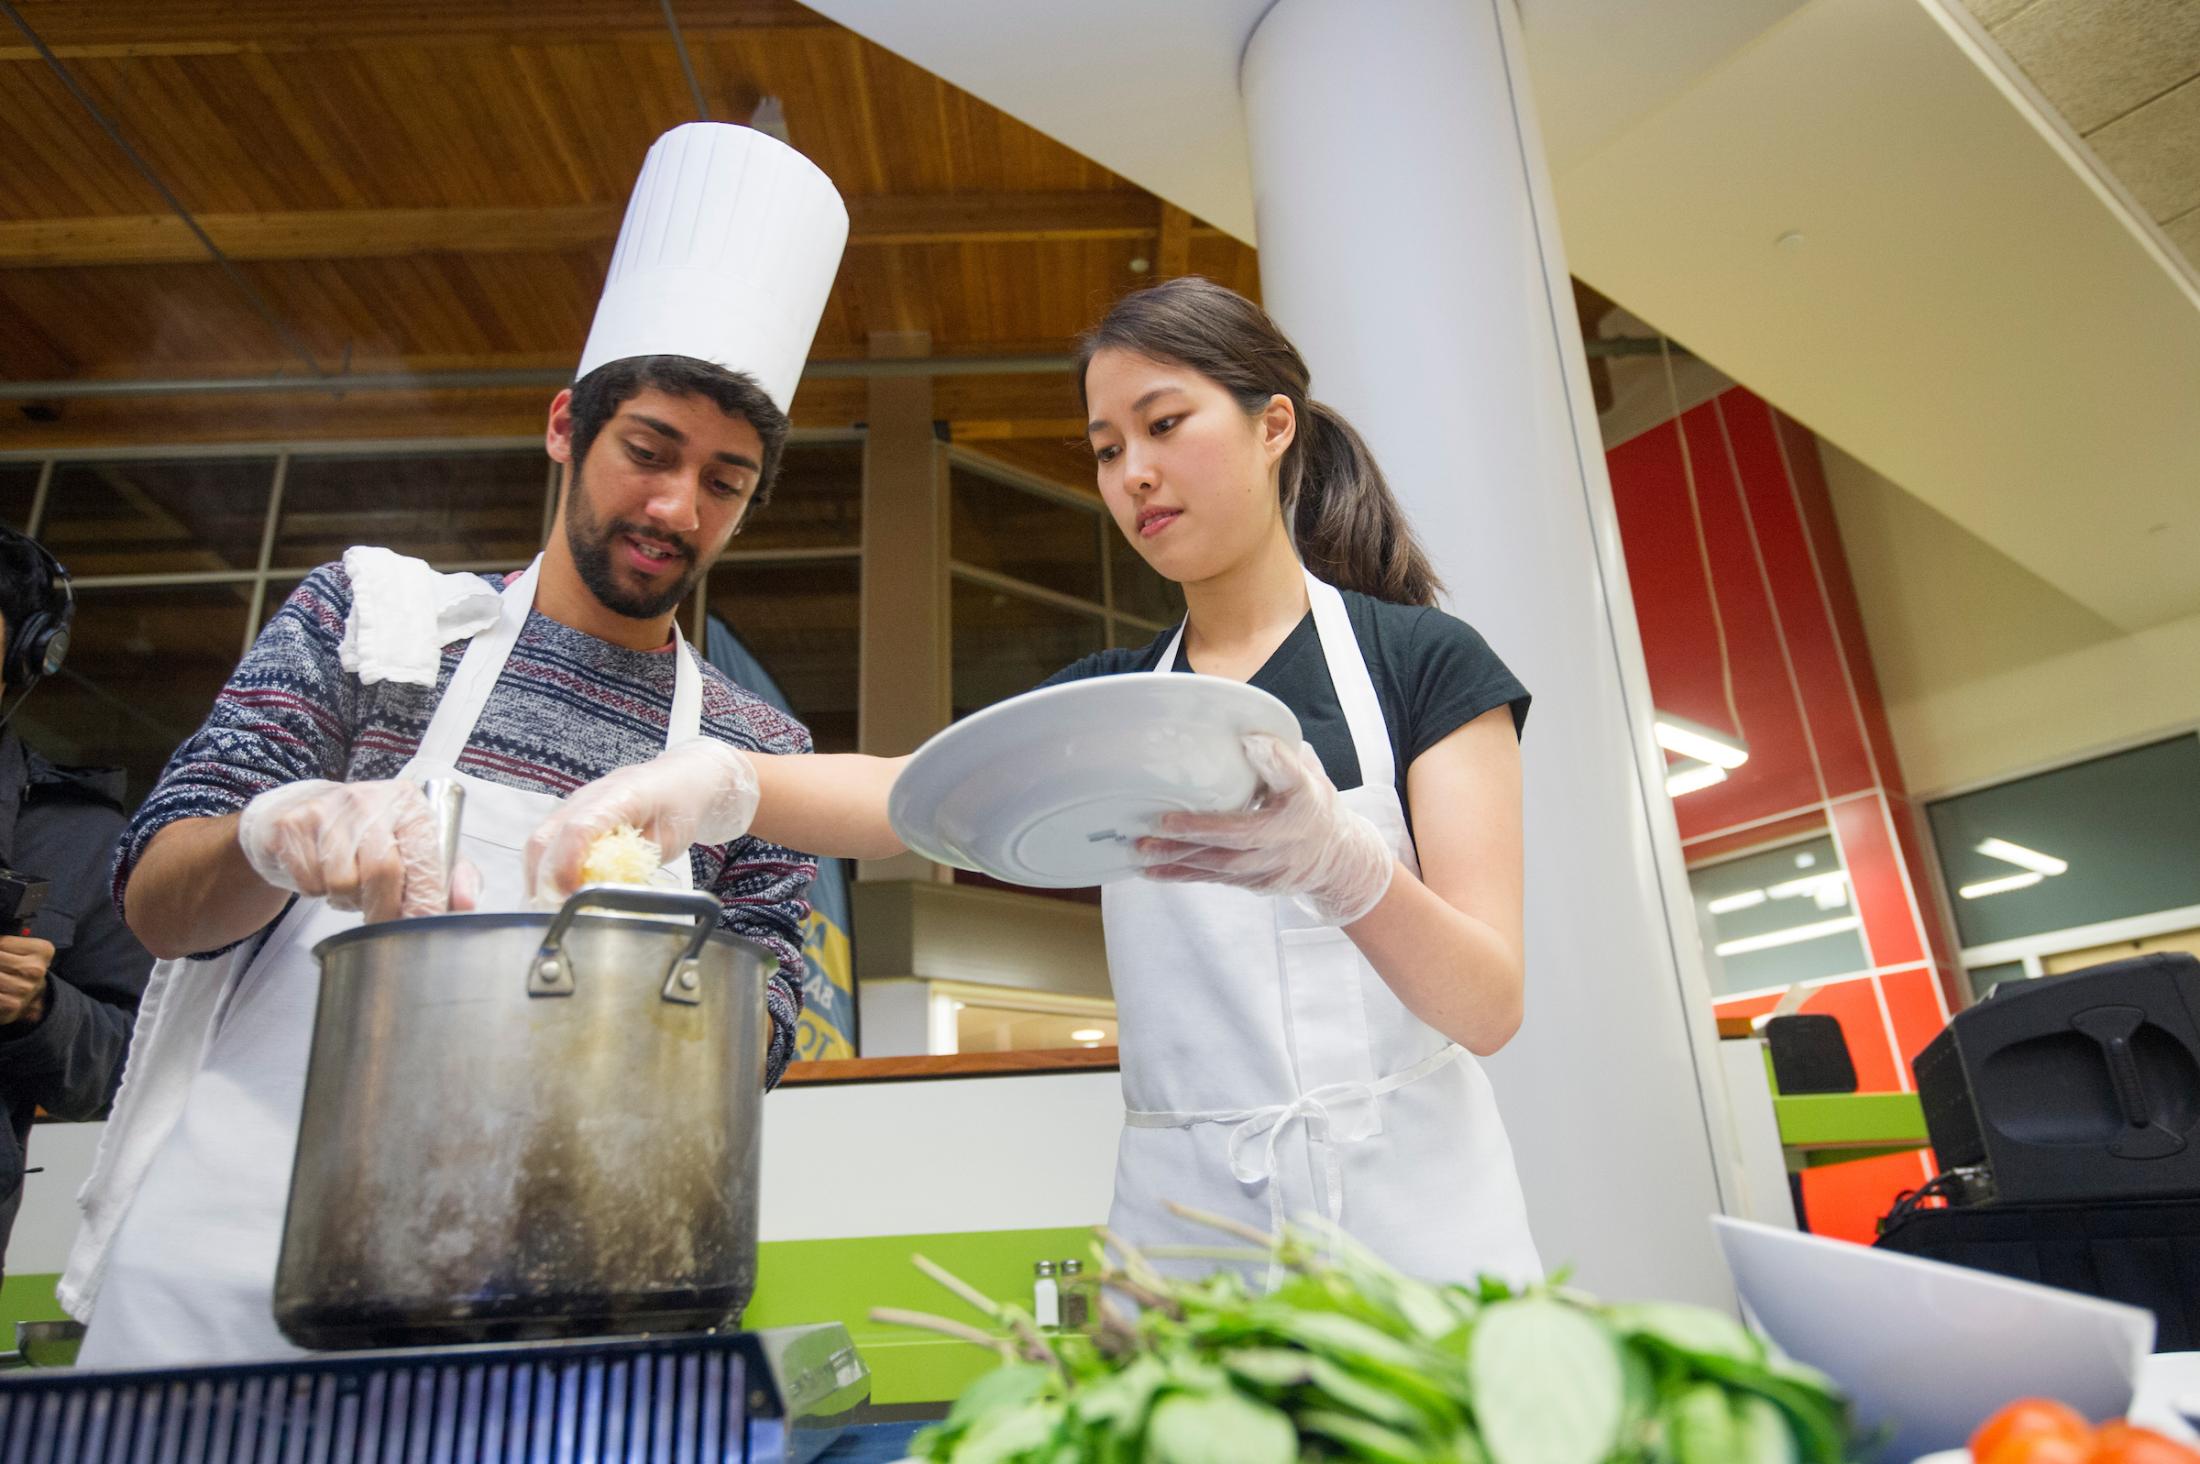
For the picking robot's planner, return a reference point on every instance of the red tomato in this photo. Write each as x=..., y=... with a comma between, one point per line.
x=2041, y=1448
x=2122, y=1443
x=2029, y=1418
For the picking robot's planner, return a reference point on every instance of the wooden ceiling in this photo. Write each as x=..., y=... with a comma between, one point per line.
x=436, y=186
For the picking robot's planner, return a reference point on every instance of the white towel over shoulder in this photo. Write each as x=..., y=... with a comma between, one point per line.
x=403, y=613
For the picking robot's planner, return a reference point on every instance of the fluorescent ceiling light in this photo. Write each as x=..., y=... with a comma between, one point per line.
x=2003, y=885
x=1689, y=777
x=1790, y=936
x=1087, y=1034
x=1693, y=739
x=2021, y=857
x=1728, y=904
x=1809, y=884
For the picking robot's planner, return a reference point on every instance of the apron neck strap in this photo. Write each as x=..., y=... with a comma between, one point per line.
x=1363, y=710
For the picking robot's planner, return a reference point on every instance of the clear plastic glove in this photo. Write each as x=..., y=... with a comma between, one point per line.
x=1298, y=838
x=370, y=847
x=701, y=792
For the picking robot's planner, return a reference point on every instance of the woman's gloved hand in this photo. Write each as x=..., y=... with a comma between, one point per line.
x=1298, y=838
x=369, y=846
x=701, y=792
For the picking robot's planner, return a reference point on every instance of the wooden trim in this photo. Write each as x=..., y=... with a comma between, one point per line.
x=1173, y=252
x=983, y=218
x=960, y=1065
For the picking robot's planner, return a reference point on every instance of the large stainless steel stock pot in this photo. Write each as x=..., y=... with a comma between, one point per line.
x=529, y=1125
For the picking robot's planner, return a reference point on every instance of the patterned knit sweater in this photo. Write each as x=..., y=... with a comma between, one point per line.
x=568, y=709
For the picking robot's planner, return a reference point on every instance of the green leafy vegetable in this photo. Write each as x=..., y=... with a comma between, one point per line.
x=1350, y=1360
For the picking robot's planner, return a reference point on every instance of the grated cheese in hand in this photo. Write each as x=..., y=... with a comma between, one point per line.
x=622, y=856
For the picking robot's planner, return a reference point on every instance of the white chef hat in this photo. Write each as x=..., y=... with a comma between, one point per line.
x=727, y=254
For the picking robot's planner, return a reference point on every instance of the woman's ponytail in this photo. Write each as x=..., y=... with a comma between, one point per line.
x=1347, y=526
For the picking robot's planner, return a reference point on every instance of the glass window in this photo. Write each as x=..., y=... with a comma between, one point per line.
x=1779, y=916
x=185, y=516
x=18, y=492
x=816, y=504
x=1985, y=978
x=144, y=667
x=801, y=623
x=447, y=508
x=1039, y=540
x=1140, y=591
x=983, y=1027
x=1006, y=644
x=2104, y=840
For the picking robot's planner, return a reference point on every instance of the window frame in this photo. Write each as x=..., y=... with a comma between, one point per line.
x=2033, y=951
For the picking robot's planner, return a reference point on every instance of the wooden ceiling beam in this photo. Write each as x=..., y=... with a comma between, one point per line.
x=369, y=233
x=214, y=27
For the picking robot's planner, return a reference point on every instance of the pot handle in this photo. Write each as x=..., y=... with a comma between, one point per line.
x=551, y=972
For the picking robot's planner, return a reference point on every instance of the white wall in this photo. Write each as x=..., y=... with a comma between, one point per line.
x=863, y=1159
x=1987, y=670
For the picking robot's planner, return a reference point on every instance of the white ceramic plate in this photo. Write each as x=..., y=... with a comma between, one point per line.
x=1928, y=1349
x=1050, y=788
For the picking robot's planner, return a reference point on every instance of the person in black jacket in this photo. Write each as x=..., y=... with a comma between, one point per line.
x=69, y=986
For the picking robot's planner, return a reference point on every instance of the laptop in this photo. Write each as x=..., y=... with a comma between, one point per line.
x=1926, y=1350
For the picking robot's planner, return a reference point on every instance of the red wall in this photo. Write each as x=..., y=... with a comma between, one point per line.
x=1820, y=756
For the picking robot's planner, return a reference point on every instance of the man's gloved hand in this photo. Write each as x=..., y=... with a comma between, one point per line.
x=701, y=792
x=1298, y=838
x=369, y=846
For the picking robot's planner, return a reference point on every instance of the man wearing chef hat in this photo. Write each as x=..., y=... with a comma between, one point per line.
x=296, y=810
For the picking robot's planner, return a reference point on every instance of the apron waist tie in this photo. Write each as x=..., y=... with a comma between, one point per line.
x=1266, y=1126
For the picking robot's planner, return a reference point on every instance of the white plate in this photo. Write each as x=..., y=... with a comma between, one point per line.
x=1928, y=1349
x=1049, y=788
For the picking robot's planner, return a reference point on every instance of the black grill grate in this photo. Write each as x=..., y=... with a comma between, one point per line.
x=681, y=1400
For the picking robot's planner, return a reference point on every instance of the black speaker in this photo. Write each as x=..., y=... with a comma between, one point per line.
x=2077, y=1087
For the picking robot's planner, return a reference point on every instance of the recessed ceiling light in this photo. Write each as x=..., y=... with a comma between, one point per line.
x=1815, y=930
x=2001, y=886
x=1693, y=739
x=2022, y=857
x=1689, y=777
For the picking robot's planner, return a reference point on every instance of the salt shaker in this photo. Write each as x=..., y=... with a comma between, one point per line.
x=1046, y=1296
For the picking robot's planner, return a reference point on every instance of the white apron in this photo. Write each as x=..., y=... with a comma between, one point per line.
x=189, y=1273
x=1269, y=1072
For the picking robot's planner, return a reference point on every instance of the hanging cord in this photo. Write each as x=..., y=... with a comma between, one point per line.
x=259, y=302
x=687, y=67
x=1703, y=542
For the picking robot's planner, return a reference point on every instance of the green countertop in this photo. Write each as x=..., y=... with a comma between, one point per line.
x=1829, y=1128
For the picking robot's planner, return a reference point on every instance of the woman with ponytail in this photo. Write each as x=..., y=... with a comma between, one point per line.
x=1303, y=987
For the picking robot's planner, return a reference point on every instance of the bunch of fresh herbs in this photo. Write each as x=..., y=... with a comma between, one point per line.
x=1349, y=1359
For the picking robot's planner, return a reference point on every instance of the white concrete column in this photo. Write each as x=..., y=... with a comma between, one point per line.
x=1408, y=245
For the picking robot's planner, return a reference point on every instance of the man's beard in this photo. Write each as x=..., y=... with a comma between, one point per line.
x=592, y=543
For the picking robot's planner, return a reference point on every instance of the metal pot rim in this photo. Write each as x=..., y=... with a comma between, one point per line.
x=538, y=921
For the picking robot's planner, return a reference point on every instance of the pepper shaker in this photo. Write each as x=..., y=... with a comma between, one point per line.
x=1076, y=1297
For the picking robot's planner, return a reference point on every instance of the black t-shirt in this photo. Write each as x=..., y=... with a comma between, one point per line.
x=1433, y=674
